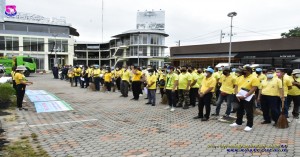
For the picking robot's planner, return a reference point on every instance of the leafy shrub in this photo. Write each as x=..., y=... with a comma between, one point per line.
x=6, y=92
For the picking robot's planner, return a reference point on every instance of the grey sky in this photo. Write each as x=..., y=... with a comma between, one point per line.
x=192, y=21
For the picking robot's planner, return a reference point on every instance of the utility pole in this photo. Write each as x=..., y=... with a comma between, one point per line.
x=221, y=36
x=178, y=42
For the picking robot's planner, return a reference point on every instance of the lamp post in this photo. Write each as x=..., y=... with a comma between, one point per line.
x=55, y=54
x=231, y=14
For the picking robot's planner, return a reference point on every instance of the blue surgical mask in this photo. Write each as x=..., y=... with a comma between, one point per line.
x=270, y=76
x=168, y=71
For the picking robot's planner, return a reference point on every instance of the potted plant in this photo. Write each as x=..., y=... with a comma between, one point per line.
x=6, y=92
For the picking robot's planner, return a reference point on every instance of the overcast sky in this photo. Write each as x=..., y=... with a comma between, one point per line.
x=191, y=21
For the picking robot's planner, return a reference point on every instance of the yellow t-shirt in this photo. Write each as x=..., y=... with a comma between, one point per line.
x=77, y=71
x=200, y=78
x=18, y=78
x=208, y=83
x=107, y=77
x=119, y=73
x=171, y=78
x=150, y=80
x=271, y=87
x=248, y=82
x=137, y=76
x=227, y=84
x=125, y=76
x=183, y=80
x=13, y=75
x=216, y=75
x=262, y=77
x=295, y=91
x=195, y=77
x=96, y=72
x=286, y=84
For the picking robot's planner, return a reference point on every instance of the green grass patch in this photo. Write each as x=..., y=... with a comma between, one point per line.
x=23, y=148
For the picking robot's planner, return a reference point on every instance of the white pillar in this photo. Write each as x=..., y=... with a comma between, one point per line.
x=46, y=62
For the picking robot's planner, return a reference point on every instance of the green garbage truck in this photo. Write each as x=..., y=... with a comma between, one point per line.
x=27, y=61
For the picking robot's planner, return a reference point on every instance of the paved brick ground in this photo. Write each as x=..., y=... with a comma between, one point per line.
x=103, y=124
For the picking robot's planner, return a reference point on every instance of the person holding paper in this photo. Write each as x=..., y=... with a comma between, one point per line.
x=270, y=93
x=247, y=84
x=206, y=91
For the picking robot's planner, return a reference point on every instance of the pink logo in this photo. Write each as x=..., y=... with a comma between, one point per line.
x=11, y=10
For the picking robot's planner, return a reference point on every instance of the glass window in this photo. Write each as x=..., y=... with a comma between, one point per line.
x=8, y=41
x=143, y=50
x=29, y=60
x=154, y=63
x=26, y=44
x=154, y=51
x=42, y=29
x=40, y=44
x=1, y=27
x=2, y=43
x=15, y=27
x=60, y=45
x=59, y=30
x=33, y=44
x=65, y=45
x=15, y=42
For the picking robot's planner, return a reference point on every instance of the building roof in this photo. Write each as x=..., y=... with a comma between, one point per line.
x=245, y=46
x=91, y=43
x=143, y=31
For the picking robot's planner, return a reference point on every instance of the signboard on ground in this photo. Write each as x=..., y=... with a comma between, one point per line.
x=36, y=92
x=52, y=106
x=42, y=98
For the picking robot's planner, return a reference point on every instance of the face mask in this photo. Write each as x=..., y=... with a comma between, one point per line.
x=150, y=74
x=269, y=76
x=205, y=74
x=297, y=75
x=168, y=71
x=278, y=74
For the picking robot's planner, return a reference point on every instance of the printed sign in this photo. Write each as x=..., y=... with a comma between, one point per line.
x=42, y=98
x=52, y=106
x=36, y=92
x=11, y=10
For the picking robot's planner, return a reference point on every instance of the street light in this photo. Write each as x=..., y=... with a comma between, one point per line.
x=55, y=60
x=231, y=14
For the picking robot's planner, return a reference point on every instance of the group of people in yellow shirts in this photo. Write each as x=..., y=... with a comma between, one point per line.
x=243, y=89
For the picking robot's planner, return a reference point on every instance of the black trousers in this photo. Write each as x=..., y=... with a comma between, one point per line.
x=171, y=98
x=97, y=83
x=270, y=103
x=296, y=100
x=77, y=79
x=162, y=92
x=108, y=86
x=136, y=89
x=193, y=95
x=248, y=107
x=118, y=82
x=205, y=101
x=20, y=94
x=124, y=88
x=87, y=81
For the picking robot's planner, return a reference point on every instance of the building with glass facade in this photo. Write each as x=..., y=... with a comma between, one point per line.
x=38, y=37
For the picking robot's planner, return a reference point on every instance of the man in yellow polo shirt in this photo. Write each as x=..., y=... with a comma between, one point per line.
x=270, y=92
x=171, y=87
x=249, y=84
x=108, y=79
x=194, y=87
x=77, y=73
x=151, y=86
x=96, y=75
x=206, y=92
x=184, y=81
x=227, y=82
x=287, y=85
x=136, y=82
x=125, y=76
x=294, y=93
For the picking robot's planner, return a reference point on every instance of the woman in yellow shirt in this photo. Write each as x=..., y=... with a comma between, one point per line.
x=21, y=83
x=108, y=79
x=151, y=86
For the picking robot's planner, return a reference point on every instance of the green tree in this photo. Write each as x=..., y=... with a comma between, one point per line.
x=293, y=33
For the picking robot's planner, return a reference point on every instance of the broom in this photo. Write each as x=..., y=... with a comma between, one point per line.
x=282, y=122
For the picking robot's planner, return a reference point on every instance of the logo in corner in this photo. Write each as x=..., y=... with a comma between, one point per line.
x=11, y=10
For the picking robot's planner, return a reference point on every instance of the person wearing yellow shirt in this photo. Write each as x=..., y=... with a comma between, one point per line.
x=96, y=75
x=77, y=73
x=287, y=85
x=136, y=82
x=125, y=76
x=171, y=88
x=13, y=72
x=294, y=93
x=71, y=75
x=194, y=87
x=261, y=76
x=108, y=79
x=270, y=92
x=184, y=83
x=151, y=86
x=118, y=77
x=217, y=76
x=206, y=91
x=227, y=82
x=162, y=82
x=249, y=84
x=21, y=84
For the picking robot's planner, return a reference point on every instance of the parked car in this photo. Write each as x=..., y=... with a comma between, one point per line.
x=2, y=68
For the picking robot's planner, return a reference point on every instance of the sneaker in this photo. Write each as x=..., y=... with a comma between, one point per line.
x=234, y=125
x=225, y=116
x=214, y=114
x=24, y=101
x=148, y=103
x=288, y=120
x=168, y=107
x=247, y=128
x=172, y=109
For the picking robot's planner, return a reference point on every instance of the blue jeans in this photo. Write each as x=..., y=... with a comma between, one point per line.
x=151, y=96
x=229, y=99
